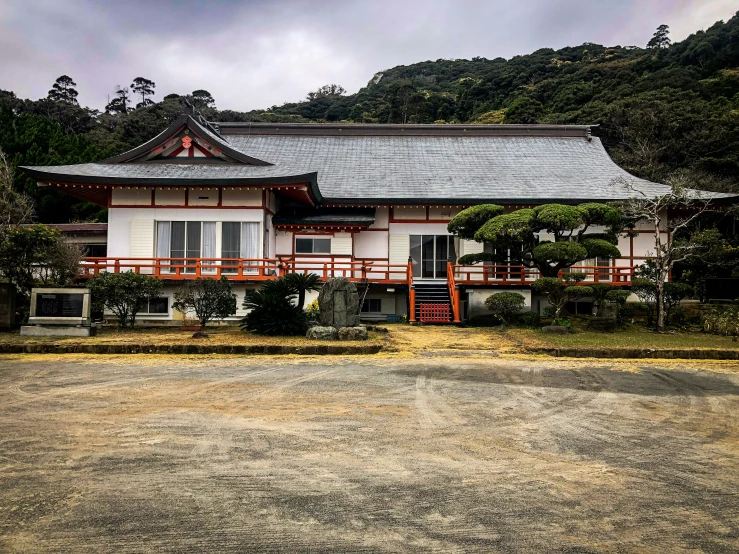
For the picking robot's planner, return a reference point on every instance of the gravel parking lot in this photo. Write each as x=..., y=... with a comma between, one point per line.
x=366, y=454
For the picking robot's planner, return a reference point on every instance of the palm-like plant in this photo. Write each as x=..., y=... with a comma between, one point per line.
x=271, y=309
x=272, y=313
x=302, y=283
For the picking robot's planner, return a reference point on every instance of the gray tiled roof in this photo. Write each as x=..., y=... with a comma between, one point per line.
x=459, y=168
x=387, y=169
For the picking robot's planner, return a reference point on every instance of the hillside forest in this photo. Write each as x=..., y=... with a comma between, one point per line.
x=663, y=110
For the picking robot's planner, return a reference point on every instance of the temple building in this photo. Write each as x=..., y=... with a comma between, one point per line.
x=253, y=201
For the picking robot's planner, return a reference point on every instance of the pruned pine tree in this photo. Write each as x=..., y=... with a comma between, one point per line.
x=119, y=104
x=63, y=90
x=661, y=38
x=145, y=88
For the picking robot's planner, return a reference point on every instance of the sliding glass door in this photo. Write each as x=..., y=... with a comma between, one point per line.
x=189, y=241
x=430, y=254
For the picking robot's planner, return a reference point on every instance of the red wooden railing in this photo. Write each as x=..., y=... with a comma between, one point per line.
x=453, y=292
x=251, y=269
x=522, y=275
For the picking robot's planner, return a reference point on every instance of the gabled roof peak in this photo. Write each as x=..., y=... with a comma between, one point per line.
x=189, y=109
x=199, y=135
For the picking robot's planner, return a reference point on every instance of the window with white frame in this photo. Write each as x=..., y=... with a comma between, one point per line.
x=156, y=306
x=182, y=243
x=240, y=241
x=304, y=245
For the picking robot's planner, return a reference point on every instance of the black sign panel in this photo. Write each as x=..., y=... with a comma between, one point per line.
x=59, y=305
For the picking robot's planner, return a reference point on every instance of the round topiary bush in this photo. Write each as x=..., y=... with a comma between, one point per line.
x=505, y=305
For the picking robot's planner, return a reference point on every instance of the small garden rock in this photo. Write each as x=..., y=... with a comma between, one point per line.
x=377, y=329
x=603, y=324
x=555, y=329
x=322, y=333
x=200, y=335
x=353, y=333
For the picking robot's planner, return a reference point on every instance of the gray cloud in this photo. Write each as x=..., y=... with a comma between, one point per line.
x=257, y=53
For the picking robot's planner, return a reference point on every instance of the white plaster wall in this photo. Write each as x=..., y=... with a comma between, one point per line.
x=283, y=243
x=119, y=222
x=435, y=212
x=371, y=244
x=243, y=197
x=169, y=197
x=643, y=244
x=131, y=197
x=410, y=212
x=200, y=196
x=476, y=302
x=382, y=217
x=418, y=229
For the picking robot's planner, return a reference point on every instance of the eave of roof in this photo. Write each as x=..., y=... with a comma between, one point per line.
x=331, y=217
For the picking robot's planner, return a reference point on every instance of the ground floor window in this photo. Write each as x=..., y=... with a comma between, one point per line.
x=95, y=250
x=156, y=306
x=312, y=246
x=372, y=306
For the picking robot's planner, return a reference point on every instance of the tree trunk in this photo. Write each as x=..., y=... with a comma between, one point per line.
x=301, y=298
x=660, y=305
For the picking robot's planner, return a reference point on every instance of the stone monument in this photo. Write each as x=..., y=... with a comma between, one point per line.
x=59, y=312
x=7, y=305
x=339, y=303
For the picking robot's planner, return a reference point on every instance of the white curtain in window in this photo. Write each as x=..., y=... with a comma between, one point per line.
x=163, y=238
x=209, y=239
x=250, y=242
x=209, y=245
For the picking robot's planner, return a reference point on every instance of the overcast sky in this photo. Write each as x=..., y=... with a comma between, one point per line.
x=257, y=53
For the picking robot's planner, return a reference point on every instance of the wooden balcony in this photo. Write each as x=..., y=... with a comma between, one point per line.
x=248, y=270
x=499, y=275
x=377, y=272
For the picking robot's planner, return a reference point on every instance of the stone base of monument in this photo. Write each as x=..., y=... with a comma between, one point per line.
x=57, y=331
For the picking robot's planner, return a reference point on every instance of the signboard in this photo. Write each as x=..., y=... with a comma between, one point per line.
x=59, y=305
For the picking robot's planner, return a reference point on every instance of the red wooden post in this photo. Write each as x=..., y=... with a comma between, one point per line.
x=455, y=305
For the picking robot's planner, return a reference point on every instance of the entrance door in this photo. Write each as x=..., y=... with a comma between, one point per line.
x=430, y=254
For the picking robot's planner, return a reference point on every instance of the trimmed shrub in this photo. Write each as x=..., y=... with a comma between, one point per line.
x=124, y=294
x=529, y=319
x=209, y=298
x=505, y=305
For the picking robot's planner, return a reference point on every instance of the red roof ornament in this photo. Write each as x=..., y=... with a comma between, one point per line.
x=186, y=142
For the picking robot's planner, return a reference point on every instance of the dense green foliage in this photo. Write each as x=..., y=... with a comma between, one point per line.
x=272, y=311
x=209, y=298
x=124, y=294
x=518, y=230
x=661, y=109
x=23, y=251
x=505, y=305
x=301, y=283
x=467, y=222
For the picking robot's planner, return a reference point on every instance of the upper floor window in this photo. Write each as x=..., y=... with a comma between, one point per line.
x=312, y=246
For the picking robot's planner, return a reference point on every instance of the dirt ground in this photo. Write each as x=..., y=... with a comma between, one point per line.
x=366, y=454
